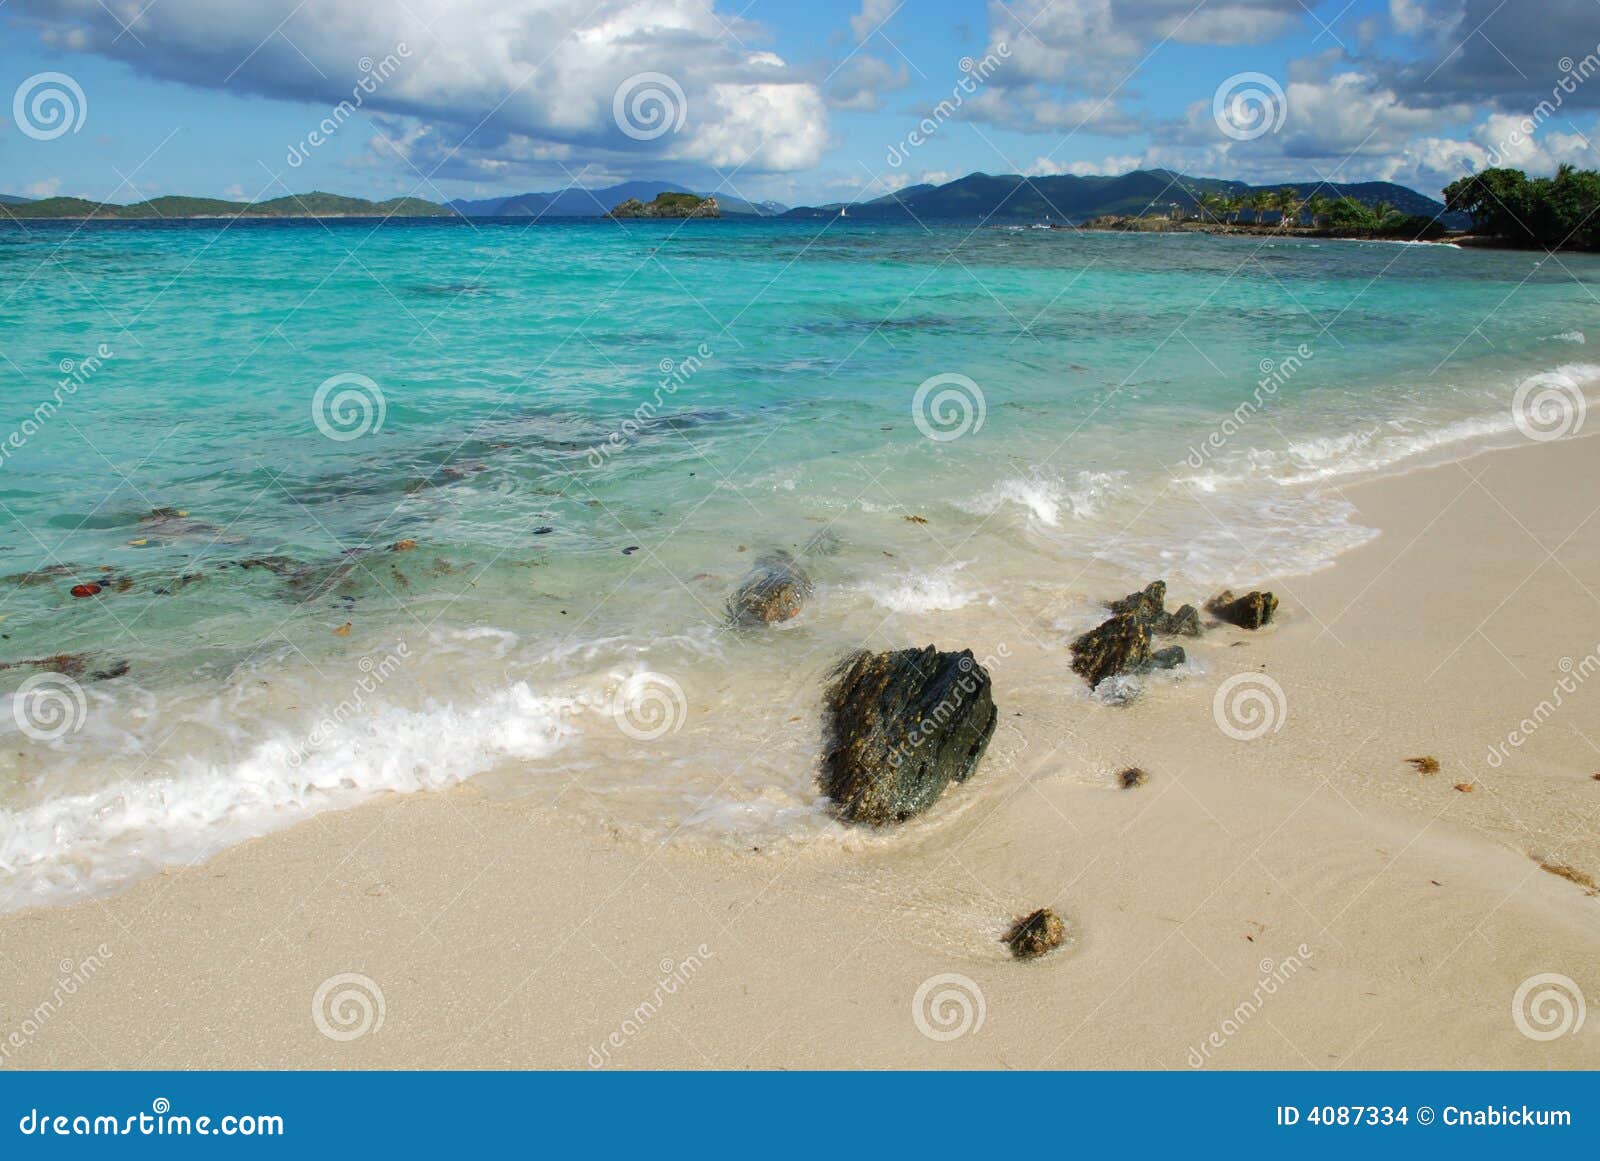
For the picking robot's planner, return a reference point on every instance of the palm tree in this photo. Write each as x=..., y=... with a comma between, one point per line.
x=1289, y=206
x=1384, y=214
x=1318, y=205
x=1261, y=201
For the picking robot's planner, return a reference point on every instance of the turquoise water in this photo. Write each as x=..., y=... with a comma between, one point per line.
x=564, y=600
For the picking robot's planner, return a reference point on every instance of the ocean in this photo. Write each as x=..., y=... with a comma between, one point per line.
x=385, y=507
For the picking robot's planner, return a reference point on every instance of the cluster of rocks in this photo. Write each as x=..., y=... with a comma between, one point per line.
x=1122, y=644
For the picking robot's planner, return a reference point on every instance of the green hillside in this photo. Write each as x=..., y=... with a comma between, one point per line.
x=311, y=205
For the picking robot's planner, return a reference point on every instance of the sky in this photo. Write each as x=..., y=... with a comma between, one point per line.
x=797, y=101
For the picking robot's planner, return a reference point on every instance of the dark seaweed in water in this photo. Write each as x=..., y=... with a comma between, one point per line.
x=451, y=290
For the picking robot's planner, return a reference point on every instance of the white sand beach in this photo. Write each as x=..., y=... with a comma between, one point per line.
x=1304, y=899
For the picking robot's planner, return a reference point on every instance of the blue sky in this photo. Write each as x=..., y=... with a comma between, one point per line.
x=795, y=102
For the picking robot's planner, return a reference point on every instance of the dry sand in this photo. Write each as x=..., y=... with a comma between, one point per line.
x=1394, y=914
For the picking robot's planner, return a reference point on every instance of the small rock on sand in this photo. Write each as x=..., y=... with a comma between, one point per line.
x=1250, y=611
x=1033, y=935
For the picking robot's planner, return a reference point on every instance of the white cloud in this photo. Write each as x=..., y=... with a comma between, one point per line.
x=1048, y=167
x=862, y=80
x=494, y=80
x=873, y=15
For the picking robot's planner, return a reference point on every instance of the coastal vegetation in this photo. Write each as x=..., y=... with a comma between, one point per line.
x=1553, y=213
x=1283, y=211
x=311, y=205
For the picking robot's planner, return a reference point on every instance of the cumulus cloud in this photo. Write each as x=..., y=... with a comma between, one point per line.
x=485, y=82
x=862, y=80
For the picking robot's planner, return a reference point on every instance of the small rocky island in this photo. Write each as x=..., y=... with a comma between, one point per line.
x=668, y=205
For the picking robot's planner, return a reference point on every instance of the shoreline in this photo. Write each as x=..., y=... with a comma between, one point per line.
x=508, y=931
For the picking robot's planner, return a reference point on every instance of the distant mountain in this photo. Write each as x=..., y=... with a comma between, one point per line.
x=594, y=203
x=311, y=205
x=1010, y=197
x=10, y=200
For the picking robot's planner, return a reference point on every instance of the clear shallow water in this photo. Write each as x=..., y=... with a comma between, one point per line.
x=571, y=569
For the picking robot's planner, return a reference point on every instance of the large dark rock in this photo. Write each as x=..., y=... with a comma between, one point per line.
x=901, y=727
x=1250, y=611
x=1145, y=603
x=774, y=590
x=1120, y=645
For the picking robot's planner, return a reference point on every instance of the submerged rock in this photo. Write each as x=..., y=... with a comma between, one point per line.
x=1250, y=611
x=1132, y=778
x=1120, y=645
x=902, y=726
x=1033, y=935
x=774, y=590
x=1169, y=658
x=167, y=524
